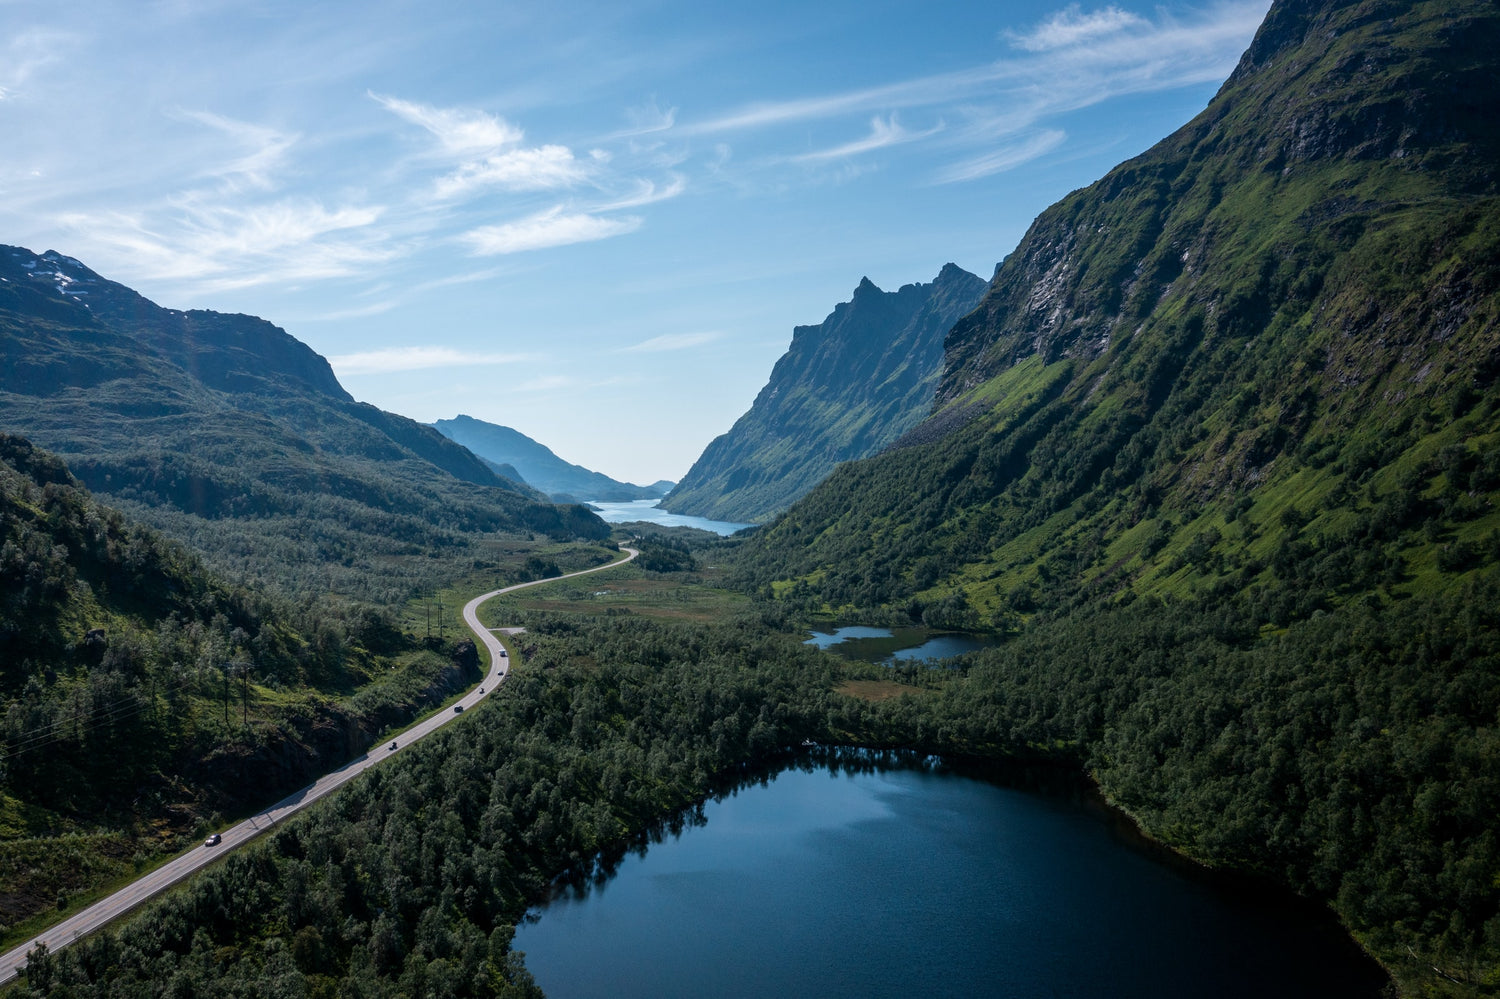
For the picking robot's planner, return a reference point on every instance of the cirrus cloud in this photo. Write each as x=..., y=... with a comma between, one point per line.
x=553, y=227
x=388, y=360
x=1071, y=26
x=672, y=341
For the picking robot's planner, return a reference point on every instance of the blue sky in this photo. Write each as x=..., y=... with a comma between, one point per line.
x=595, y=223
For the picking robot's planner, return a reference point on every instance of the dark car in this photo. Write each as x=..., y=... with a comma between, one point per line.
x=457, y=708
x=213, y=840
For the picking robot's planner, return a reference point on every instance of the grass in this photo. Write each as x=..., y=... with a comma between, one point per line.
x=682, y=597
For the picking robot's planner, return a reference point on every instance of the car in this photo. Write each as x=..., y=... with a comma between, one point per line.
x=457, y=708
x=213, y=840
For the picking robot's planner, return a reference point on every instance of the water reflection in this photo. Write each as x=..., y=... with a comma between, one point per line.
x=857, y=874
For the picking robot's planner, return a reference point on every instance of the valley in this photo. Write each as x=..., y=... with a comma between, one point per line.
x=1205, y=480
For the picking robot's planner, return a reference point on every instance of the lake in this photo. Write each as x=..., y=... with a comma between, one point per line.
x=906, y=882
x=893, y=646
x=647, y=510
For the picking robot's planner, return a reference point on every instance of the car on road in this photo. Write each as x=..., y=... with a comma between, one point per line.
x=457, y=708
x=213, y=840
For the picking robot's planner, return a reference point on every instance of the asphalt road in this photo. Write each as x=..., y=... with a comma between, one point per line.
x=144, y=887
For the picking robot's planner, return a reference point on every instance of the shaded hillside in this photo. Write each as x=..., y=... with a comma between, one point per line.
x=1221, y=447
x=1276, y=328
x=538, y=466
x=844, y=389
x=234, y=437
x=119, y=654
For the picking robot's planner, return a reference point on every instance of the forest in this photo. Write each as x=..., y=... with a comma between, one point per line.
x=1349, y=756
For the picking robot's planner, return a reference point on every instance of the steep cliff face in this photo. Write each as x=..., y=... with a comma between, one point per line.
x=844, y=389
x=1341, y=122
x=1290, y=302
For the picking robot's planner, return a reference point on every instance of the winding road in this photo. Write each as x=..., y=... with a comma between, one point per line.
x=180, y=867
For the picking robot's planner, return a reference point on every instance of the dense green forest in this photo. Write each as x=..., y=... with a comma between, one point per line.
x=1322, y=758
x=144, y=698
x=410, y=881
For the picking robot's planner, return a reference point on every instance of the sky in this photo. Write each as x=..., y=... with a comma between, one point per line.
x=595, y=223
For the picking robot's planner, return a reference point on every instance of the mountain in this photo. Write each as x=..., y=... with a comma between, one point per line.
x=538, y=466
x=1220, y=450
x=114, y=645
x=232, y=436
x=844, y=389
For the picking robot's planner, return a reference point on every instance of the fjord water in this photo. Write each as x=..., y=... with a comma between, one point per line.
x=914, y=882
x=647, y=510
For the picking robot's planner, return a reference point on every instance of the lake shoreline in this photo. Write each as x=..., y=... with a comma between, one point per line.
x=1058, y=777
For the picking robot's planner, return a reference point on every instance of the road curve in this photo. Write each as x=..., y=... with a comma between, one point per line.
x=180, y=867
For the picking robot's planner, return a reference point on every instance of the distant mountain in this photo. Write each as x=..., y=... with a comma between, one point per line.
x=1220, y=450
x=844, y=389
x=228, y=433
x=538, y=466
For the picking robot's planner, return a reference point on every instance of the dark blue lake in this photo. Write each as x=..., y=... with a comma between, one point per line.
x=912, y=882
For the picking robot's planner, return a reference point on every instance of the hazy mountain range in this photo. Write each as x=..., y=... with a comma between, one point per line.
x=535, y=464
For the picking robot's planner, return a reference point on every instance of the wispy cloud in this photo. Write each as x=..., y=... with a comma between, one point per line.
x=389, y=360
x=1072, y=60
x=1072, y=26
x=222, y=246
x=1003, y=158
x=554, y=227
x=647, y=119
x=542, y=168
x=487, y=148
x=671, y=341
x=646, y=193
x=459, y=131
x=883, y=132
x=265, y=149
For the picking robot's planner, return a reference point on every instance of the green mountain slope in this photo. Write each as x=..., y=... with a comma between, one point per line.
x=537, y=465
x=844, y=389
x=140, y=695
x=1220, y=448
x=1277, y=326
x=235, y=438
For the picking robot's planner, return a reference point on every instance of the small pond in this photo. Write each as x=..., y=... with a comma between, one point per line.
x=893, y=646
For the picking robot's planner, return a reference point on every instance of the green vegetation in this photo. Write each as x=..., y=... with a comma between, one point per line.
x=410, y=881
x=144, y=699
x=231, y=437
x=1218, y=454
